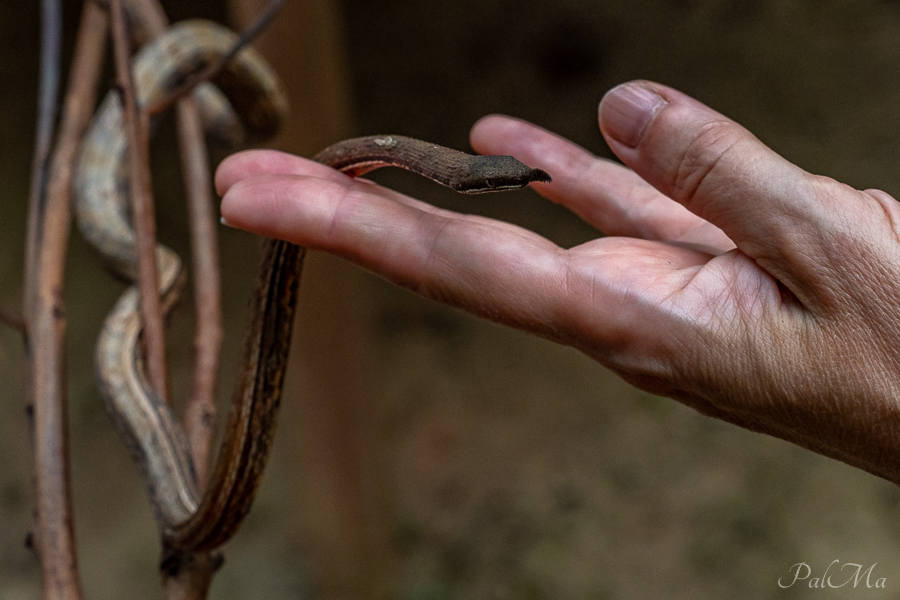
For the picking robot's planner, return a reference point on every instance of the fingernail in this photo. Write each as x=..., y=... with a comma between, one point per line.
x=626, y=110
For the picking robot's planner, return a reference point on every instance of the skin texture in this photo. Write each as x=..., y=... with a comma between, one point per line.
x=729, y=279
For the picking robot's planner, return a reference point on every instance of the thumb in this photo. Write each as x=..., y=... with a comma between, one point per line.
x=774, y=211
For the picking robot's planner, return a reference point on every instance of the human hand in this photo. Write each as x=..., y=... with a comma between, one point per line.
x=730, y=280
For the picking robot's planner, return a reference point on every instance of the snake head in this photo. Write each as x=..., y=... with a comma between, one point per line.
x=496, y=174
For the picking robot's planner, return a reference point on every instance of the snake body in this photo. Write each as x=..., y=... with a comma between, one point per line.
x=102, y=210
x=188, y=520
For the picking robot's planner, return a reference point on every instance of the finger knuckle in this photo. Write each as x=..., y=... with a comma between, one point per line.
x=715, y=142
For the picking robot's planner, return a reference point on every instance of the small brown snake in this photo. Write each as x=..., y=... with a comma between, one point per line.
x=188, y=520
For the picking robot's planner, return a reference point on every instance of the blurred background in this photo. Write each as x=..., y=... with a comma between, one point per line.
x=426, y=455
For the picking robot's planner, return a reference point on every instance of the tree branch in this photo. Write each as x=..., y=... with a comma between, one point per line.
x=48, y=231
x=188, y=576
x=137, y=126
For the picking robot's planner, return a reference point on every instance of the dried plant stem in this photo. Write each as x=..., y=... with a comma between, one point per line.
x=51, y=38
x=191, y=574
x=48, y=232
x=200, y=409
x=199, y=417
x=137, y=126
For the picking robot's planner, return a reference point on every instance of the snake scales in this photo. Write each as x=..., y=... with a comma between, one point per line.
x=188, y=520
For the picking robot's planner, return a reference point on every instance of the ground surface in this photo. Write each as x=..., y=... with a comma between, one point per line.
x=520, y=470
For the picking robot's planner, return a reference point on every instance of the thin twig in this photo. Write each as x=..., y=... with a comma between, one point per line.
x=200, y=409
x=137, y=126
x=49, y=435
x=216, y=67
x=200, y=412
x=188, y=576
x=49, y=224
x=48, y=92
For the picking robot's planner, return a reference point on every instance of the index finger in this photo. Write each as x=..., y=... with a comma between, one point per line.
x=484, y=266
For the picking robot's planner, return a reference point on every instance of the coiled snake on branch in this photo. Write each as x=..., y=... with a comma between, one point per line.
x=188, y=520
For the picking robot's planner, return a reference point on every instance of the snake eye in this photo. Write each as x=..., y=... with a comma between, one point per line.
x=490, y=183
